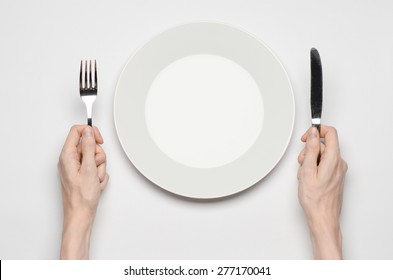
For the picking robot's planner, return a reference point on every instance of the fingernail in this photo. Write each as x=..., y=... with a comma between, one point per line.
x=313, y=132
x=87, y=132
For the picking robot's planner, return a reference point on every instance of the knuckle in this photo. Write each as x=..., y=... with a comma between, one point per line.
x=74, y=127
x=104, y=182
x=61, y=159
x=101, y=169
x=299, y=159
x=104, y=155
x=333, y=129
x=299, y=174
x=344, y=165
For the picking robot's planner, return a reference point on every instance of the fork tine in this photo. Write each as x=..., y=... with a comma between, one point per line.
x=95, y=75
x=80, y=76
x=86, y=85
x=91, y=75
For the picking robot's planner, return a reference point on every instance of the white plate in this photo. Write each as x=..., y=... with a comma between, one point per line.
x=153, y=156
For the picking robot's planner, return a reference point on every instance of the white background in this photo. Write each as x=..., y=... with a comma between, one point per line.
x=41, y=45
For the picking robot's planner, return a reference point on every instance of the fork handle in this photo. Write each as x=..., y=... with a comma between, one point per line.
x=89, y=122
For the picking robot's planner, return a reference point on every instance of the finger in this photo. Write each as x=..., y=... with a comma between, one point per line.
x=100, y=155
x=74, y=136
x=322, y=148
x=97, y=135
x=104, y=183
x=331, y=138
x=101, y=172
x=304, y=136
x=312, y=150
x=302, y=154
x=79, y=149
x=323, y=131
x=300, y=158
x=88, y=145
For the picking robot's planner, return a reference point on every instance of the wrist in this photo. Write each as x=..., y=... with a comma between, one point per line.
x=81, y=217
x=76, y=236
x=326, y=240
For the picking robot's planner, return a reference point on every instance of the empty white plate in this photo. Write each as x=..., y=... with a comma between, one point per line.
x=204, y=110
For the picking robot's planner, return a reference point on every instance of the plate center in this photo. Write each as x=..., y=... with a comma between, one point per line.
x=204, y=111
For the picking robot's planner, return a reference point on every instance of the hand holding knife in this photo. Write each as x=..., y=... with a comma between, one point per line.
x=321, y=196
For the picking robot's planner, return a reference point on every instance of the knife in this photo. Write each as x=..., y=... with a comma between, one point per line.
x=316, y=89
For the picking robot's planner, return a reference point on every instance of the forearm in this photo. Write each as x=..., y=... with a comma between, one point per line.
x=326, y=240
x=76, y=237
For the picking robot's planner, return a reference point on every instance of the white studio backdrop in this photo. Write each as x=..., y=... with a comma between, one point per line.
x=41, y=46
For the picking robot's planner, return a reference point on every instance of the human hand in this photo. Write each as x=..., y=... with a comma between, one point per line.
x=321, y=190
x=82, y=168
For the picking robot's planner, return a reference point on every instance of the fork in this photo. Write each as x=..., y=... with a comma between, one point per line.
x=88, y=89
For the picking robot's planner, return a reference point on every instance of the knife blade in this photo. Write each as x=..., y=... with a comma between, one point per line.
x=316, y=88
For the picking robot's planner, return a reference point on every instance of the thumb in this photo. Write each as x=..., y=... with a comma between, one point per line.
x=88, y=145
x=312, y=148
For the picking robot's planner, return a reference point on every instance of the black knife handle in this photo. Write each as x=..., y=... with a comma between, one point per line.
x=318, y=126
